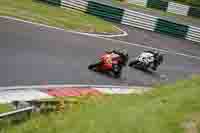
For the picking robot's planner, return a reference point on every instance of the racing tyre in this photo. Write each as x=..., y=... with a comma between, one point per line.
x=145, y=67
x=92, y=66
x=117, y=70
x=131, y=64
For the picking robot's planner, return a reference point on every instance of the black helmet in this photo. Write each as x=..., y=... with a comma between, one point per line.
x=124, y=52
x=109, y=50
x=116, y=50
x=156, y=52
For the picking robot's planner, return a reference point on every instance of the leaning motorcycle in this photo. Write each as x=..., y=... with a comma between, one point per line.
x=145, y=61
x=111, y=65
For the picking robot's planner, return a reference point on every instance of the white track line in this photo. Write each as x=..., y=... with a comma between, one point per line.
x=93, y=35
x=97, y=87
x=5, y=88
x=124, y=33
x=148, y=47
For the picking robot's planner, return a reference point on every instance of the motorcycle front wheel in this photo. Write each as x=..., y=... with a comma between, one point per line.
x=132, y=63
x=117, y=70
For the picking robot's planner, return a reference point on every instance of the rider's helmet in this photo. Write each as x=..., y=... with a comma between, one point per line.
x=116, y=50
x=156, y=53
x=110, y=50
x=125, y=52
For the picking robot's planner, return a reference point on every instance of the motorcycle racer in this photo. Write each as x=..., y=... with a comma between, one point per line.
x=158, y=58
x=112, y=61
x=148, y=59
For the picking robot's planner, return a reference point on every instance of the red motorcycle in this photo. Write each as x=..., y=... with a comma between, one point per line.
x=111, y=63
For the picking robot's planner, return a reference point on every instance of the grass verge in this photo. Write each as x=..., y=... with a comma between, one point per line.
x=5, y=108
x=40, y=12
x=164, y=109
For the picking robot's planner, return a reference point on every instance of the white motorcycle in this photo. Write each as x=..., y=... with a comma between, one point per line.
x=145, y=61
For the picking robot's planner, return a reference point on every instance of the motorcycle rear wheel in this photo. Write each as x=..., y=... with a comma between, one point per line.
x=92, y=66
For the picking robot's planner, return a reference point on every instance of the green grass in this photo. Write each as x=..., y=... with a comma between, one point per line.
x=44, y=13
x=164, y=109
x=5, y=108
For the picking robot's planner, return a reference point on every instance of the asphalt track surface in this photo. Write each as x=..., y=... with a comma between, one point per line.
x=160, y=41
x=31, y=54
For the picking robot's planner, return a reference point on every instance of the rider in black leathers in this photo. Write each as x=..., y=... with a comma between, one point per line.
x=158, y=58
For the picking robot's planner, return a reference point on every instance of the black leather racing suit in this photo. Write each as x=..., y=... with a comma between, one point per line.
x=156, y=61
